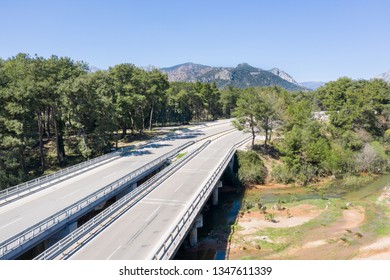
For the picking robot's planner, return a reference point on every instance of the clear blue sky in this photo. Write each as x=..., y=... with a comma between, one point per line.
x=310, y=40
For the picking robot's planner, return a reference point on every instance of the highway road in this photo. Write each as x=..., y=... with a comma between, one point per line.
x=27, y=211
x=142, y=229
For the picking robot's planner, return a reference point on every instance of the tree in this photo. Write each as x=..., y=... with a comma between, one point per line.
x=124, y=88
x=59, y=70
x=259, y=110
x=246, y=111
x=17, y=133
x=228, y=100
x=157, y=85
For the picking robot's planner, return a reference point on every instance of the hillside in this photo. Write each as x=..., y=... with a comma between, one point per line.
x=242, y=76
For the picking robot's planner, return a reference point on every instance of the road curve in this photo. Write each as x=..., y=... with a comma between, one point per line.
x=139, y=232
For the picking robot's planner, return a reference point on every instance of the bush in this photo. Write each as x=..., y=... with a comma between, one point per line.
x=354, y=182
x=251, y=169
x=339, y=161
x=372, y=158
x=282, y=174
x=386, y=136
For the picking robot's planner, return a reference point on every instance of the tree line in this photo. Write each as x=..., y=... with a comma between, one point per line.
x=351, y=137
x=53, y=110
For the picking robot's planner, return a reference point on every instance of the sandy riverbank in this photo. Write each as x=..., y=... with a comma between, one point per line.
x=313, y=229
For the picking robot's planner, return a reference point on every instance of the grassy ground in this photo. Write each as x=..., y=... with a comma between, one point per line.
x=322, y=225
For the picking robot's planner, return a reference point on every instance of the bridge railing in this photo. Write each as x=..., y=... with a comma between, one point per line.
x=110, y=214
x=34, y=231
x=179, y=231
x=47, y=180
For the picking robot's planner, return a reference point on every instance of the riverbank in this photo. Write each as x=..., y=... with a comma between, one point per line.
x=300, y=223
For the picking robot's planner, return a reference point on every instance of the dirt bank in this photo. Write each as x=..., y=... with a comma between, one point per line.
x=312, y=229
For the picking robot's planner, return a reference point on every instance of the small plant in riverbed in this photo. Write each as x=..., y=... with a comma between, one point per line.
x=263, y=209
x=270, y=217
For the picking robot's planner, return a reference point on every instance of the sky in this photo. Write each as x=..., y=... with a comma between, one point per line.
x=311, y=40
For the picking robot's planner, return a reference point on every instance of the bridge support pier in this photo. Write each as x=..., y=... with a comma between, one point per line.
x=194, y=230
x=231, y=164
x=215, y=192
x=59, y=235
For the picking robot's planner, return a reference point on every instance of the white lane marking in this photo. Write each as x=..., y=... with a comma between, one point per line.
x=151, y=215
x=109, y=257
x=72, y=193
x=182, y=184
x=160, y=200
x=194, y=171
x=164, y=203
x=10, y=223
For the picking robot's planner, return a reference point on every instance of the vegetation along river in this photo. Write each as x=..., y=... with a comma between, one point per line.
x=309, y=223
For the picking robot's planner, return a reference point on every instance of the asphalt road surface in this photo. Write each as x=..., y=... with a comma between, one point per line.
x=140, y=231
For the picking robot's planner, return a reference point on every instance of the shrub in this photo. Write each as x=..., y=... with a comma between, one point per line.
x=386, y=136
x=282, y=174
x=372, y=158
x=251, y=169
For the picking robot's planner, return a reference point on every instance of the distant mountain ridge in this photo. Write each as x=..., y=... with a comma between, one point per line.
x=242, y=76
x=384, y=76
x=312, y=85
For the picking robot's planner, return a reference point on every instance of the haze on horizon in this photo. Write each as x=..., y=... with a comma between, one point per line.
x=312, y=41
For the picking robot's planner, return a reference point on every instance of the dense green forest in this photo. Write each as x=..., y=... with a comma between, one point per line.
x=340, y=130
x=53, y=110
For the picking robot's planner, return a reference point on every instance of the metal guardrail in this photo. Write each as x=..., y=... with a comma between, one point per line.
x=179, y=231
x=109, y=215
x=47, y=180
x=34, y=231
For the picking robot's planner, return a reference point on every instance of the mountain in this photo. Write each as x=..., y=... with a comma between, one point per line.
x=148, y=68
x=186, y=72
x=283, y=75
x=385, y=76
x=242, y=76
x=93, y=69
x=312, y=85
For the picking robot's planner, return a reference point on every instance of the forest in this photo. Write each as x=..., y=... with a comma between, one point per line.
x=54, y=112
x=339, y=131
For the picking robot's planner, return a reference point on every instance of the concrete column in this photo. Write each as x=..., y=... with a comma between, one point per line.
x=194, y=236
x=215, y=192
x=215, y=196
x=231, y=164
x=198, y=223
x=61, y=234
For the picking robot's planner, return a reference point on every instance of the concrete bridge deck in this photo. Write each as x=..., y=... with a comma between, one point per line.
x=139, y=232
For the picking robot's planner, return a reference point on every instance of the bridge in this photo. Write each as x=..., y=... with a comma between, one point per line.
x=40, y=216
